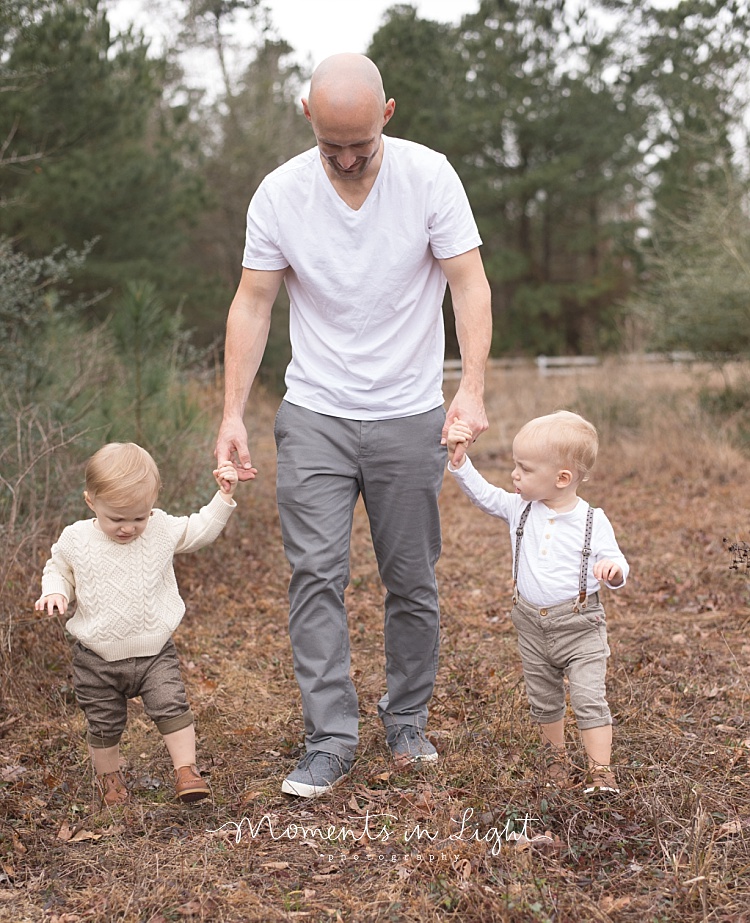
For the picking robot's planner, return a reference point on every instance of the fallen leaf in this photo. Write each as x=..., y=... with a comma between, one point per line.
x=11, y=773
x=523, y=842
x=18, y=846
x=609, y=904
x=69, y=834
x=275, y=865
x=733, y=826
x=82, y=835
x=463, y=868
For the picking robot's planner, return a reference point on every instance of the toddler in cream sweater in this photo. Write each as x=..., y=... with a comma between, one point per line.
x=119, y=568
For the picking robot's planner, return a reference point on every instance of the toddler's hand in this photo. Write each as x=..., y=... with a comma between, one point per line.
x=459, y=439
x=226, y=477
x=49, y=603
x=608, y=572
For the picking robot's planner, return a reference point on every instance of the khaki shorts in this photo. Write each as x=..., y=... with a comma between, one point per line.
x=557, y=642
x=103, y=688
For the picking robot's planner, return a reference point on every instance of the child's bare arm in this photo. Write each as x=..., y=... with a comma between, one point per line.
x=608, y=572
x=458, y=440
x=226, y=478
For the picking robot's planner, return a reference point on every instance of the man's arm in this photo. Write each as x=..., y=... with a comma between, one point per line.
x=470, y=293
x=247, y=334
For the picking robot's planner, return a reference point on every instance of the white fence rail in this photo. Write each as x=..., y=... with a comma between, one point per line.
x=565, y=365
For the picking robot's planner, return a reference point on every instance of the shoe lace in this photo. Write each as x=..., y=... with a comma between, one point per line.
x=411, y=732
x=307, y=759
x=330, y=758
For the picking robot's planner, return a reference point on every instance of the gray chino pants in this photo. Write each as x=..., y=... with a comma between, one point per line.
x=324, y=464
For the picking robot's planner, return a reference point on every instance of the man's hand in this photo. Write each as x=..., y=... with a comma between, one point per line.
x=49, y=603
x=231, y=448
x=469, y=409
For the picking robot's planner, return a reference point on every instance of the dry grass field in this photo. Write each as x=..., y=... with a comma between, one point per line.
x=476, y=837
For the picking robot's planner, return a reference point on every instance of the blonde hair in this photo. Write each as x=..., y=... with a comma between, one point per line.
x=120, y=472
x=566, y=438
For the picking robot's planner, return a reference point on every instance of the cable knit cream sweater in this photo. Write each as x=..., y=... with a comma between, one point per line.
x=128, y=601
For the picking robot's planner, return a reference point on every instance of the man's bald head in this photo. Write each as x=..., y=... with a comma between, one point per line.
x=344, y=80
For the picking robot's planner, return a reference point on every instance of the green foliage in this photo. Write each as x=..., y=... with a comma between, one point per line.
x=149, y=343
x=257, y=127
x=417, y=60
x=544, y=146
x=43, y=393
x=92, y=149
x=29, y=292
x=688, y=74
x=697, y=295
x=575, y=127
x=565, y=125
x=67, y=387
x=729, y=409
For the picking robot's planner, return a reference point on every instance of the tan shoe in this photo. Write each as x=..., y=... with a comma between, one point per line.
x=600, y=780
x=556, y=767
x=188, y=784
x=113, y=788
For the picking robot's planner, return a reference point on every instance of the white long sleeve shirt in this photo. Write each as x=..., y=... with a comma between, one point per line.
x=549, y=565
x=128, y=600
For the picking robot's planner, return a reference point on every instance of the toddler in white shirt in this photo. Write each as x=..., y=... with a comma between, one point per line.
x=119, y=568
x=562, y=550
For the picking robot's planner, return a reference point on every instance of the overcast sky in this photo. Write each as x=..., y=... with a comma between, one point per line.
x=314, y=28
x=325, y=27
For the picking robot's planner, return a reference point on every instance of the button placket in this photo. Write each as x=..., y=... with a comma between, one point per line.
x=545, y=550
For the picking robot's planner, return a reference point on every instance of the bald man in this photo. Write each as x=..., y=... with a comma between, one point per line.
x=364, y=230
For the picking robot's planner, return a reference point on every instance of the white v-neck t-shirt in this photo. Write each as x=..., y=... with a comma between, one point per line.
x=364, y=285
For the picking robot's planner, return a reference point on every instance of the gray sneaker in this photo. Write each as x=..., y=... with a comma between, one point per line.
x=316, y=773
x=408, y=742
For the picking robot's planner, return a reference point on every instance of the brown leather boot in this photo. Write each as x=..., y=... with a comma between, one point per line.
x=188, y=784
x=113, y=788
